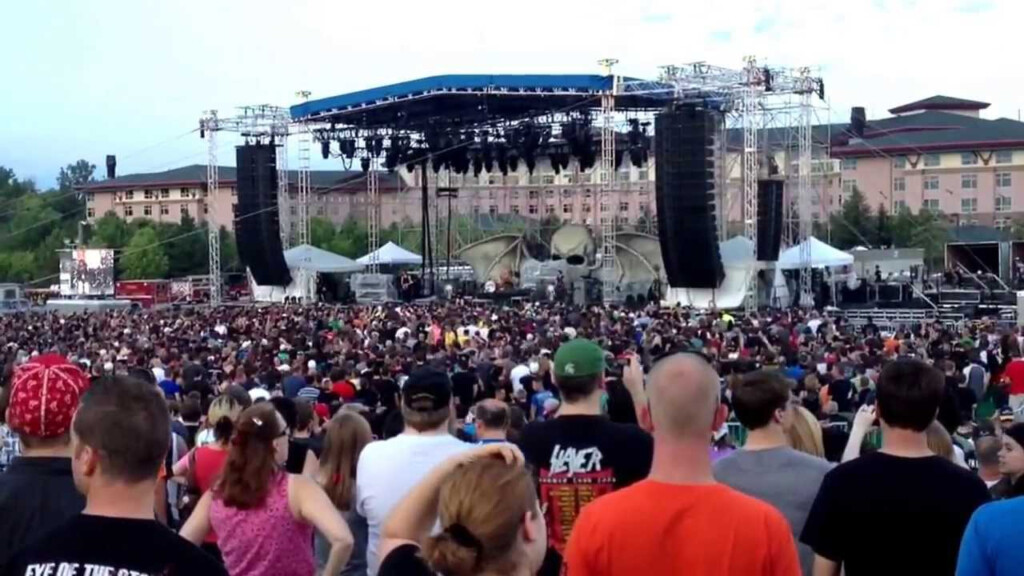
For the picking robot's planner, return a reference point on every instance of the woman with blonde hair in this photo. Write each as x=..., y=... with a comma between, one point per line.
x=346, y=435
x=487, y=506
x=201, y=467
x=805, y=434
x=263, y=516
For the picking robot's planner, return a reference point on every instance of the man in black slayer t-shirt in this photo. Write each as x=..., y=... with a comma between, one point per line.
x=119, y=436
x=902, y=510
x=580, y=455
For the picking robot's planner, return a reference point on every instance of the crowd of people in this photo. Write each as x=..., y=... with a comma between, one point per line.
x=464, y=438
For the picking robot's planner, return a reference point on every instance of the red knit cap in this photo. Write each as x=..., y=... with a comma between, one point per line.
x=44, y=396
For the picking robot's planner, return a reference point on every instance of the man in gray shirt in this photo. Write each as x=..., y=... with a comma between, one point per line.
x=767, y=468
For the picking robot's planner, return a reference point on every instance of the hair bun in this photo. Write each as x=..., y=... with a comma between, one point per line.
x=447, y=555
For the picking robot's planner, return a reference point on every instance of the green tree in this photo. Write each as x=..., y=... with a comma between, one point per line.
x=109, y=231
x=228, y=253
x=883, y=227
x=926, y=229
x=321, y=232
x=854, y=224
x=350, y=239
x=185, y=247
x=143, y=258
x=77, y=174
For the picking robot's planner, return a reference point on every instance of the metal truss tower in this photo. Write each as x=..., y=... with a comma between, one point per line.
x=607, y=203
x=283, y=193
x=749, y=102
x=373, y=216
x=209, y=125
x=804, y=187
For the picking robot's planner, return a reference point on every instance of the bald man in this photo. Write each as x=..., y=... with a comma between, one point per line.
x=678, y=520
x=492, y=419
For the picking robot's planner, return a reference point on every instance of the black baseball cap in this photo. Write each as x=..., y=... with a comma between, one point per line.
x=427, y=389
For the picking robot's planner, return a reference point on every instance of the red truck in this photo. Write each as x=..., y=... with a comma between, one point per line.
x=147, y=293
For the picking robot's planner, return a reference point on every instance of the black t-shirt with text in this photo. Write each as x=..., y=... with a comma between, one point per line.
x=101, y=545
x=882, y=514
x=578, y=458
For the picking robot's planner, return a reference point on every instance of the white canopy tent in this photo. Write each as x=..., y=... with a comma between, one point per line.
x=304, y=257
x=392, y=254
x=822, y=256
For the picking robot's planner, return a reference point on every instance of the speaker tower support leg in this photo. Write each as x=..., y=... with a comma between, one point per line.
x=307, y=279
x=373, y=217
x=210, y=126
x=804, y=191
x=749, y=98
x=607, y=204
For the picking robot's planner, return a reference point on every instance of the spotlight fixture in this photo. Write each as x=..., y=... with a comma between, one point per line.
x=365, y=163
x=325, y=149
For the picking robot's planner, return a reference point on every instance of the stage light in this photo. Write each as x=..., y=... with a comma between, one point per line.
x=619, y=155
x=365, y=164
x=766, y=73
x=325, y=149
x=513, y=161
x=821, y=88
x=478, y=165
x=502, y=158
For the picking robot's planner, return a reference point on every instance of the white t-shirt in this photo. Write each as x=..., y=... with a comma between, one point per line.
x=388, y=470
x=517, y=374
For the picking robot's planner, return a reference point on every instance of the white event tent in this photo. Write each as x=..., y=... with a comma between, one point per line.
x=822, y=256
x=392, y=254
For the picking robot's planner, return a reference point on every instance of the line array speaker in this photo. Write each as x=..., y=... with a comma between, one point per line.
x=257, y=225
x=769, y=219
x=684, y=152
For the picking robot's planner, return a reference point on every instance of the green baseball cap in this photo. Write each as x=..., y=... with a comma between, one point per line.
x=579, y=357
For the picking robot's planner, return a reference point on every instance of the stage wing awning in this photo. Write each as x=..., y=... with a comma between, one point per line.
x=822, y=256
x=392, y=254
x=308, y=257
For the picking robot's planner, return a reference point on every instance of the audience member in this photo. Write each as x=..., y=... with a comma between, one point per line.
x=347, y=434
x=492, y=421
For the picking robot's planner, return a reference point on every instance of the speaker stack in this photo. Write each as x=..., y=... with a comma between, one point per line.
x=257, y=224
x=769, y=219
x=684, y=152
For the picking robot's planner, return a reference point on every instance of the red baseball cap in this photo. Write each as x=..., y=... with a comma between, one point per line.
x=44, y=396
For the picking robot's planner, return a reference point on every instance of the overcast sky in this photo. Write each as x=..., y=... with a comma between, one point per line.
x=84, y=78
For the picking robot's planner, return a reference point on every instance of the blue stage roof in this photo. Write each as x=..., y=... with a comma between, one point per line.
x=578, y=86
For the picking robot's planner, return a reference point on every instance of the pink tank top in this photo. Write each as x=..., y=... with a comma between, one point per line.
x=264, y=541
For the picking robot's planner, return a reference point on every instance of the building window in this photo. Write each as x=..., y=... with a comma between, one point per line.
x=849, y=186
x=566, y=193
x=186, y=193
x=849, y=163
x=968, y=205
x=548, y=179
x=587, y=208
x=129, y=211
x=931, y=182
x=515, y=208
x=148, y=194
x=234, y=191
x=549, y=194
x=532, y=195
x=932, y=160
x=90, y=213
x=899, y=162
x=319, y=210
x=1002, y=223
x=969, y=181
x=930, y=204
x=293, y=210
x=492, y=209
x=641, y=175
x=165, y=209
x=493, y=180
x=514, y=195
x=622, y=176
x=1004, y=203
x=534, y=179
x=566, y=208
x=1003, y=180
x=899, y=184
x=623, y=206
x=968, y=159
x=585, y=178
x=1004, y=156
x=476, y=209
x=604, y=208
x=899, y=206
x=89, y=196
x=531, y=209
x=165, y=193
x=129, y=195
x=184, y=211
x=549, y=209
x=491, y=194
x=206, y=209
x=147, y=210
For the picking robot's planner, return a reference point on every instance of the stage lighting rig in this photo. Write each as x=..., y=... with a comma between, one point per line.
x=325, y=149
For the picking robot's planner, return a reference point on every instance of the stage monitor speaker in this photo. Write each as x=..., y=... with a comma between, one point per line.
x=257, y=225
x=769, y=219
x=684, y=152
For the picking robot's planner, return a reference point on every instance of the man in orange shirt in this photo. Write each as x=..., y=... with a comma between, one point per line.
x=679, y=520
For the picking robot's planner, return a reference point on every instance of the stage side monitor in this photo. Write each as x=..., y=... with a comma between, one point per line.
x=684, y=195
x=257, y=224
